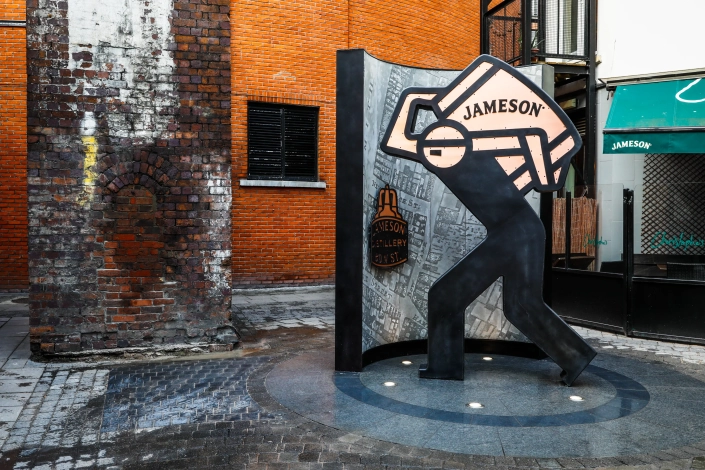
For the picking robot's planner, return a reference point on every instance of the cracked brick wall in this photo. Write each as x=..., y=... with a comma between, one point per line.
x=129, y=187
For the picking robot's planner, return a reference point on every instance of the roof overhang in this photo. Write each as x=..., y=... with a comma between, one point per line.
x=611, y=83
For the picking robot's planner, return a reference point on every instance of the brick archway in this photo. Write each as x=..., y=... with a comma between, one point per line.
x=146, y=169
x=132, y=282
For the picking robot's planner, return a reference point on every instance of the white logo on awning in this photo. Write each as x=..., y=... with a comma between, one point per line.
x=683, y=100
x=632, y=144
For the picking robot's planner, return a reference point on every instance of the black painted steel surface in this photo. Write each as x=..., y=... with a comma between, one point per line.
x=482, y=346
x=590, y=299
x=668, y=309
x=515, y=243
x=349, y=200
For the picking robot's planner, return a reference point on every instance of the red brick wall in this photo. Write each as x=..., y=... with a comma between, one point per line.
x=12, y=10
x=441, y=34
x=13, y=150
x=284, y=52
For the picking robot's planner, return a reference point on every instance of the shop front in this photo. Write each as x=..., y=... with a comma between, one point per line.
x=635, y=260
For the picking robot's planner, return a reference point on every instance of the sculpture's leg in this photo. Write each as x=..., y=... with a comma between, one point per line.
x=448, y=298
x=524, y=306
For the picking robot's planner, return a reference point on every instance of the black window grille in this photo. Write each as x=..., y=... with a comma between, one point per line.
x=282, y=142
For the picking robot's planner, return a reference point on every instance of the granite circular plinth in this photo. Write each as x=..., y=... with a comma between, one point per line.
x=526, y=412
x=499, y=391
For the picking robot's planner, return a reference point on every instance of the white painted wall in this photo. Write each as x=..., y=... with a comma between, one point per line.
x=614, y=173
x=130, y=39
x=637, y=37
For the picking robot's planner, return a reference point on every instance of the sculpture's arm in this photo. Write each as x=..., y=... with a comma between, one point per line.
x=527, y=157
x=399, y=139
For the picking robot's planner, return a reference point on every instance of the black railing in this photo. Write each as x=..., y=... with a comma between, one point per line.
x=502, y=31
x=519, y=31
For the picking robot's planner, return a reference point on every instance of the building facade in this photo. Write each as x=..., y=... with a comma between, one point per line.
x=281, y=53
x=632, y=56
x=145, y=197
x=284, y=53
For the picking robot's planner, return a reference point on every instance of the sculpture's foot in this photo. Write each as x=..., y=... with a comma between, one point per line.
x=569, y=375
x=426, y=372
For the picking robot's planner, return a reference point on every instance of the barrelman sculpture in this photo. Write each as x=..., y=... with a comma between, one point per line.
x=497, y=136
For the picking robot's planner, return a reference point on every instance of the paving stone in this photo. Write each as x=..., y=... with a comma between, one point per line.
x=524, y=462
x=312, y=307
x=569, y=463
x=548, y=463
x=66, y=404
x=333, y=466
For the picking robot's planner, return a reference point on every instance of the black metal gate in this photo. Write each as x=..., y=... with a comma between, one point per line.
x=647, y=307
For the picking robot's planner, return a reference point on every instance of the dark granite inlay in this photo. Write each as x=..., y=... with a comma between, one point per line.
x=629, y=397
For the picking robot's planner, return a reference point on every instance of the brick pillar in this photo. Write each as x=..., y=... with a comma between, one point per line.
x=128, y=173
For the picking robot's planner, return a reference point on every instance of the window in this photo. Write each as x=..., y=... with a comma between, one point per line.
x=562, y=25
x=282, y=142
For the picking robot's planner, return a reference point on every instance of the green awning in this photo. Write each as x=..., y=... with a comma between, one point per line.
x=662, y=117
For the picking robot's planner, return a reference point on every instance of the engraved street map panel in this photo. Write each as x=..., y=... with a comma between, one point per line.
x=440, y=229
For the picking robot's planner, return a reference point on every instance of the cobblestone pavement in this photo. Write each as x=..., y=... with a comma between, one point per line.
x=214, y=411
x=687, y=353
x=18, y=375
x=269, y=309
x=146, y=396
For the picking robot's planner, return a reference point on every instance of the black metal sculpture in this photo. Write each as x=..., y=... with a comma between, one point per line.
x=497, y=136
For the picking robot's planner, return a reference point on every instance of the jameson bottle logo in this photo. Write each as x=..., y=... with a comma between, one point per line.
x=681, y=241
x=389, y=237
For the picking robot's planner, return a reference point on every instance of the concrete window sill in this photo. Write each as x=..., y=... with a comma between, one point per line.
x=283, y=184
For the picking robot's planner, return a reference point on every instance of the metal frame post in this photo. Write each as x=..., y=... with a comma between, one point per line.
x=526, y=32
x=568, y=227
x=628, y=257
x=546, y=214
x=591, y=96
x=484, y=39
x=542, y=26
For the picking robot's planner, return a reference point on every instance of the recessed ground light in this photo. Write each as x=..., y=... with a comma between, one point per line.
x=475, y=405
x=389, y=384
x=576, y=398
x=406, y=363
x=486, y=358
